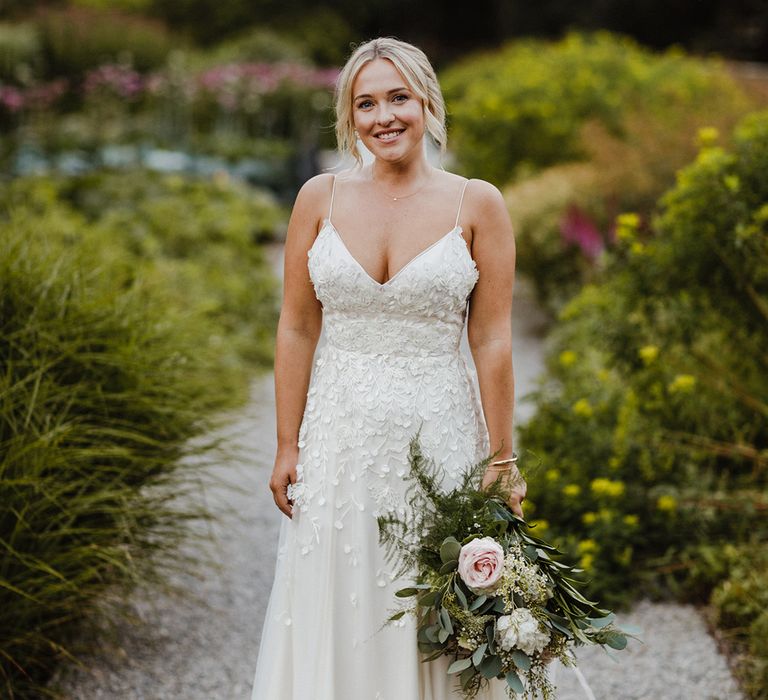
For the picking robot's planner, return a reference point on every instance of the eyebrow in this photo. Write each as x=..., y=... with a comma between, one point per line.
x=397, y=89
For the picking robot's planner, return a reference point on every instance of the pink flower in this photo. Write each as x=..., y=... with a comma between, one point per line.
x=480, y=564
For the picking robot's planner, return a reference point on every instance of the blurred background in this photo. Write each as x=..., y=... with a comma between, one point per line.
x=150, y=153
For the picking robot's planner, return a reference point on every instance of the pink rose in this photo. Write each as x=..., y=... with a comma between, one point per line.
x=480, y=563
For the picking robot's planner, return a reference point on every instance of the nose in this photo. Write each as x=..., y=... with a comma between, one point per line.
x=385, y=115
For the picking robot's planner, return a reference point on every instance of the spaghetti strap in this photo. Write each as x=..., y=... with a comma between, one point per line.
x=460, y=201
x=333, y=189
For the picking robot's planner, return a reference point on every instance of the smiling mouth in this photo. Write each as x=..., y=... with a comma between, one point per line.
x=390, y=135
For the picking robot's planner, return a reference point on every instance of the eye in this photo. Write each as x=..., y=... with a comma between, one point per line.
x=361, y=105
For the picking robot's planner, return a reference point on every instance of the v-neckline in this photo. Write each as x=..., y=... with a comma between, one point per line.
x=384, y=284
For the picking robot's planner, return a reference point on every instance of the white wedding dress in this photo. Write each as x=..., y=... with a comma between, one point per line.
x=391, y=362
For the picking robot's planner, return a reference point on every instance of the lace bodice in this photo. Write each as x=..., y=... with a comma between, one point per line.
x=390, y=363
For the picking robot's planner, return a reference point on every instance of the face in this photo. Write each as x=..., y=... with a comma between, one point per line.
x=382, y=102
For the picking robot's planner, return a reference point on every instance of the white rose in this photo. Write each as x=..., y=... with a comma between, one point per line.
x=521, y=630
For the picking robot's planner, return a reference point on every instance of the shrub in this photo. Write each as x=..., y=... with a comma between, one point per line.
x=103, y=386
x=75, y=39
x=197, y=240
x=652, y=428
x=521, y=108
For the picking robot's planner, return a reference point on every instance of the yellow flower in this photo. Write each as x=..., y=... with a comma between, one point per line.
x=603, y=374
x=553, y=474
x=572, y=490
x=567, y=358
x=614, y=463
x=606, y=487
x=732, y=182
x=589, y=518
x=648, y=353
x=631, y=520
x=626, y=226
x=666, y=503
x=582, y=408
x=637, y=247
x=586, y=562
x=587, y=546
x=681, y=383
x=540, y=524
x=706, y=136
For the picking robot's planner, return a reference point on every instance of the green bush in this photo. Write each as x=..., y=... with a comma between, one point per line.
x=74, y=39
x=521, y=108
x=197, y=240
x=20, y=55
x=104, y=384
x=652, y=428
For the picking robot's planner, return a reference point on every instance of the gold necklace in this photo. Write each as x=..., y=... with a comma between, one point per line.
x=394, y=199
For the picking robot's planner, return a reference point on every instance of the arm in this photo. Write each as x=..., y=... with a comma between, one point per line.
x=298, y=331
x=489, y=328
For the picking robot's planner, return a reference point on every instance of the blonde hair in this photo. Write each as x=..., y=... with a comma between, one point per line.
x=415, y=68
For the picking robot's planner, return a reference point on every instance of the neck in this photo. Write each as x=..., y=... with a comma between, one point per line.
x=399, y=174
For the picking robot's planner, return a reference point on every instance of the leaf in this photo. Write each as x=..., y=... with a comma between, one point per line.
x=406, y=592
x=601, y=621
x=616, y=640
x=477, y=655
x=477, y=602
x=521, y=660
x=398, y=615
x=449, y=566
x=460, y=594
x=446, y=619
x=498, y=606
x=514, y=682
x=466, y=677
x=429, y=598
x=490, y=667
x=442, y=635
x=460, y=665
x=450, y=550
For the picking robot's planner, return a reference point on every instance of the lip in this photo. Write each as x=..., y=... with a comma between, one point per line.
x=376, y=136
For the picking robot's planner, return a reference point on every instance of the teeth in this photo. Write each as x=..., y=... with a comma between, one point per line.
x=389, y=136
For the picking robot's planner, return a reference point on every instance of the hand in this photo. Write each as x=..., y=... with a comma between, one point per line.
x=284, y=473
x=513, y=483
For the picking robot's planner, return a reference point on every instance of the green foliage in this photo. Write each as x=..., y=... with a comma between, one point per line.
x=653, y=424
x=20, y=56
x=521, y=108
x=133, y=308
x=197, y=241
x=74, y=39
x=105, y=382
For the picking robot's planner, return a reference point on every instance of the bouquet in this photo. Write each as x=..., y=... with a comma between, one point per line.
x=488, y=594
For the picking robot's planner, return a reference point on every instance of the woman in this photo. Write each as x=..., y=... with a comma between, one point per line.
x=365, y=261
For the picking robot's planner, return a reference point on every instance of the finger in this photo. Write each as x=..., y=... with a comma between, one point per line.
x=282, y=500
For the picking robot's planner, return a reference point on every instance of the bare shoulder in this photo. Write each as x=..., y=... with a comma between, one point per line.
x=489, y=213
x=485, y=194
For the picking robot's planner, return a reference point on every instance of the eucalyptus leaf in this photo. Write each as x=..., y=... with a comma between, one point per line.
x=514, y=682
x=521, y=660
x=460, y=594
x=459, y=665
x=450, y=549
x=601, y=621
x=477, y=602
x=442, y=635
x=490, y=667
x=449, y=566
x=477, y=655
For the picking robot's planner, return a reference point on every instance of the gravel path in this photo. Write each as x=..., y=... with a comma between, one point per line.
x=204, y=646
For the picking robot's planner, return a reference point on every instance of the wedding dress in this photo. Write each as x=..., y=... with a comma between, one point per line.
x=391, y=362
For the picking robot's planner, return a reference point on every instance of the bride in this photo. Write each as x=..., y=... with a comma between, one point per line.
x=390, y=259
